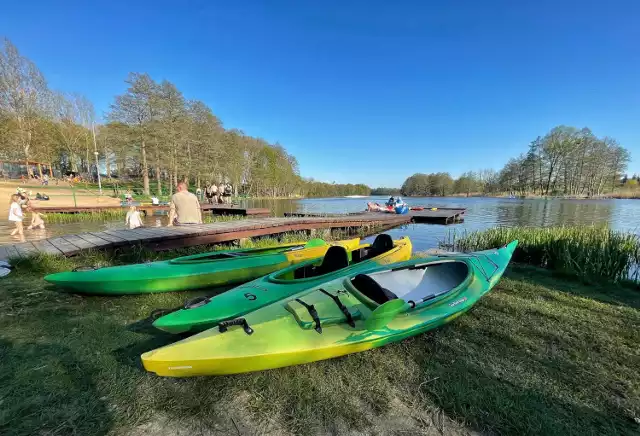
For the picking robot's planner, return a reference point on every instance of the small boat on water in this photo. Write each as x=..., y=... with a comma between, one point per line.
x=353, y=313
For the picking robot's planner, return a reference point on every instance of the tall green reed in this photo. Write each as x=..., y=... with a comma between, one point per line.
x=592, y=253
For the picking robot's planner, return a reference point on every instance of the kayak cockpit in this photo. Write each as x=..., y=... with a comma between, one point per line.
x=337, y=258
x=225, y=255
x=414, y=284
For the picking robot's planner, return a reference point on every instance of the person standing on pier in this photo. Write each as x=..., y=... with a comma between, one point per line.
x=184, y=207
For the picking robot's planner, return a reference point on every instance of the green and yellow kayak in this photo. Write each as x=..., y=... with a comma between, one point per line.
x=350, y=314
x=337, y=262
x=204, y=270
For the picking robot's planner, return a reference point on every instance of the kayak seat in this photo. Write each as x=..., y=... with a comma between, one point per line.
x=335, y=259
x=372, y=289
x=381, y=245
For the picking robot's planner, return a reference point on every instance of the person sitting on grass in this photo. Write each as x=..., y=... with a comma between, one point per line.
x=184, y=207
x=36, y=219
x=133, y=219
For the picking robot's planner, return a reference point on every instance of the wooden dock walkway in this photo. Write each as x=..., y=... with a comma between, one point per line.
x=164, y=238
x=439, y=215
x=149, y=209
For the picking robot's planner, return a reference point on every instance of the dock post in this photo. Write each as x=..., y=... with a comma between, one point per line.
x=73, y=191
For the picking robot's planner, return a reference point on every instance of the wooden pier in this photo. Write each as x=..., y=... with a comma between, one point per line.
x=165, y=238
x=440, y=215
x=437, y=215
x=149, y=209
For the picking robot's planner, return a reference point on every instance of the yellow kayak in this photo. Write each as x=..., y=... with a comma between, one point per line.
x=356, y=312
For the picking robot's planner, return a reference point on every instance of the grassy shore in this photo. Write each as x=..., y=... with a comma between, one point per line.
x=538, y=355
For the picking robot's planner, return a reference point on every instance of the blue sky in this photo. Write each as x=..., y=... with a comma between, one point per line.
x=360, y=91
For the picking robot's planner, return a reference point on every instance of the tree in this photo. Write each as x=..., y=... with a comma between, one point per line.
x=23, y=98
x=134, y=108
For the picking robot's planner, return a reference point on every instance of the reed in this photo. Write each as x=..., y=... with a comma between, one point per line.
x=592, y=253
x=103, y=215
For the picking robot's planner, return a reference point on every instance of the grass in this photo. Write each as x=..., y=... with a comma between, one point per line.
x=103, y=215
x=538, y=355
x=591, y=253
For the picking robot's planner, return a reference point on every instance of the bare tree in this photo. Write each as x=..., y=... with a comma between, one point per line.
x=23, y=97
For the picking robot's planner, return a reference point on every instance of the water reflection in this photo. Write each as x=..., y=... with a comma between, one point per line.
x=481, y=213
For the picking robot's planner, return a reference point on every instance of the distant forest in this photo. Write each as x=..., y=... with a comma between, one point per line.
x=152, y=133
x=385, y=191
x=566, y=161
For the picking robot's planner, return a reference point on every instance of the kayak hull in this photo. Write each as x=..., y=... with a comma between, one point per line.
x=190, y=272
x=281, y=335
x=264, y=291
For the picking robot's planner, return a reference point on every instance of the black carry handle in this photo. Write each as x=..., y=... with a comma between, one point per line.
x=341, y=306
x=314, y=314
x=224, y=325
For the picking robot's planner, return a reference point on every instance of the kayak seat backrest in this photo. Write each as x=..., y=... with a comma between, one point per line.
x=335, y=259
x=372, y=289
x=381, y=245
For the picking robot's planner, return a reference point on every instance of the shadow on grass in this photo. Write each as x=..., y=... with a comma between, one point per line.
x=42, y=386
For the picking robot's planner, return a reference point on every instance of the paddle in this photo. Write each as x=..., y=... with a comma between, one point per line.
x=383, y=315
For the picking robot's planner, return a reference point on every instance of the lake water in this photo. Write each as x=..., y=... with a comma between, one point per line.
x=481, y=213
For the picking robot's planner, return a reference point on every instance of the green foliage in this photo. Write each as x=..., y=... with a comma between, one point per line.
x=420, y=185
x=104, y=215
x=588, y=252
x=385, y=191
x=567, y=161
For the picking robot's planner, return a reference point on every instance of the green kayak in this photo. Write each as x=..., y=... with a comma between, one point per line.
x=192, y=272
x=347, y=315
x=203, y=313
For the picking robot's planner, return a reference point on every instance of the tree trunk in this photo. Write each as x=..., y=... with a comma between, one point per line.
x=145, y=169
x=50, y=170
x=107, y=164
x=158, y=179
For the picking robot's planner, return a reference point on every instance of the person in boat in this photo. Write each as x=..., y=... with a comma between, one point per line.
x=184, y=208
x=133, y=220
x=155, y=201
x=390, y=202
x=36, y=220
x=374, y=207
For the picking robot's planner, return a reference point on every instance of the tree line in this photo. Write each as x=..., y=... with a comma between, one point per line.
x=565, y=161
x=152, y=132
